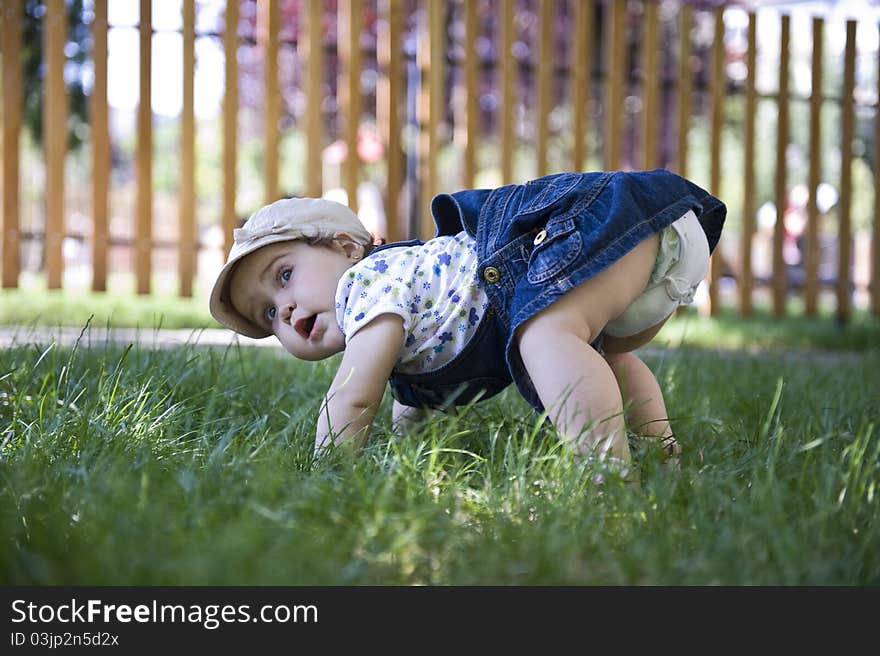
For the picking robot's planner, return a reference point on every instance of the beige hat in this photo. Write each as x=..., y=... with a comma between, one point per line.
x=283, y=220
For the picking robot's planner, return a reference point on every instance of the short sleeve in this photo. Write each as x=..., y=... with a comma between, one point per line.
x=368, y=291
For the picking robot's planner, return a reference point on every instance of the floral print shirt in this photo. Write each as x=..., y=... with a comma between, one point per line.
x=432, y=287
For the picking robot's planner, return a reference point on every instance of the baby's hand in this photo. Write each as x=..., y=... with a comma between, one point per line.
x=359, y=384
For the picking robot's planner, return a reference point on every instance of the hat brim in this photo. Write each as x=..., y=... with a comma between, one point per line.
x=220, y=303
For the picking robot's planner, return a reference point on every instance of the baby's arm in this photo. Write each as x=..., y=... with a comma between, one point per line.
x=357, y=389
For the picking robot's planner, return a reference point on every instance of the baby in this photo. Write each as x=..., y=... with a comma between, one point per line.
x=550, y=285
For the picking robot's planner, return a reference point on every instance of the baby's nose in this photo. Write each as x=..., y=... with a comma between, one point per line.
x=287, y=311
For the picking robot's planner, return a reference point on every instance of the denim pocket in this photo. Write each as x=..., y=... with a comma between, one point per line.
x=559, y=249
x=542, y=194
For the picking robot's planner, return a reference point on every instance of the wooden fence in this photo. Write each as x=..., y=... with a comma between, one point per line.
x=614, y=54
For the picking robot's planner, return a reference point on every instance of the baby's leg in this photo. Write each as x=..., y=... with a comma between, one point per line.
x=578, y=389
x=642, y=399
x=404, y=417
x=574, y=382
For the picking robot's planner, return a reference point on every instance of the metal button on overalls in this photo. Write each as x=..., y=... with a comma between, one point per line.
x=541, y=236
x=491, y=274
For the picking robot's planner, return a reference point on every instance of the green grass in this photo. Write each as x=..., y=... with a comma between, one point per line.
x=194, y=466
x=41, y=307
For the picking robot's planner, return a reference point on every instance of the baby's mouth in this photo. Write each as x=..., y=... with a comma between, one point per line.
x=305, y=325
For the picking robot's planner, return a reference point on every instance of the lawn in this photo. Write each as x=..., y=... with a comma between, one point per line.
x=193, y=465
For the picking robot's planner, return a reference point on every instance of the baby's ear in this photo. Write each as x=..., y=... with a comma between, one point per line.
x=351, y=247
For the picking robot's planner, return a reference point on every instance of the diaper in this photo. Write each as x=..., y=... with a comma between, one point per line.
x=681, y=265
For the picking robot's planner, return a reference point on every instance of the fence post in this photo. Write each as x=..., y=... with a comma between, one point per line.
x=313, y=54
x=545, y=92
x=650, y=85
x=188, y=247
x=230, y=122
x=582, y=79
x=508, y=74
x=811, y=257
x=100, y=149
x=718, y=94
x=431, y=56
x=684, y=87
x=349, y=91
x=144, y=228
x=875, y=235
x=12, y=108
x=846, y=152
x=746, y=281
x=472, y=75
x=389, y=107
x=780, y=274
x=54, y=137
x=615, y=48
x=268, y=21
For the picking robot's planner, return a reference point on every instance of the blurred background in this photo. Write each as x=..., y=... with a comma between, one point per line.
x=138, y=134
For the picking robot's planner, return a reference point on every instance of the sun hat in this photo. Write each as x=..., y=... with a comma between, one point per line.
x=284, y=220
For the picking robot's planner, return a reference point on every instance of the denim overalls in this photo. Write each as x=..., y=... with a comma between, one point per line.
x=535, y=242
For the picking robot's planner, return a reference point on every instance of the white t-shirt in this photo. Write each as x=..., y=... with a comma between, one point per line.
x=432, y=287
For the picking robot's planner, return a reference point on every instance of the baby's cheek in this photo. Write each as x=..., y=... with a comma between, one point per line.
x=284, y=343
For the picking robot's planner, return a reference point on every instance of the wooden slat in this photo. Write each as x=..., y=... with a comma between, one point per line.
x=544, y=89
x=230, y=122
x=718, y=83
x=432, y=54
x=55, y=137
x=875, y=234
x=650, y=84
x=717, y=89
x=100, y=130
x=12, y=109
x=390, y=96
x=615, y=84
x=685, y=84
x=844, y=274
x=268, y=39
x=144, y=220
x=2, y=100
x=472, y=93
x=508, y=77
x=780, y=276
x=811, y=256
x=1, y=137
x=582, y=67
x=437, y=89
x=313, y=55
x=350, y=91
x=423, y=110
x=187, y=250
x=746, y=281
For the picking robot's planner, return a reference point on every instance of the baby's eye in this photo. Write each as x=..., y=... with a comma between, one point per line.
x=270, y=314
x=284, y=275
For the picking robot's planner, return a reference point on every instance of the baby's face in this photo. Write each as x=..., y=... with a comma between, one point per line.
x=289, y=288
